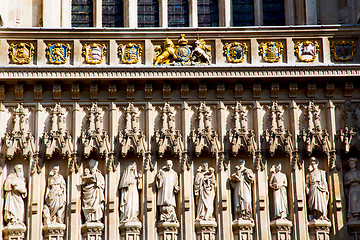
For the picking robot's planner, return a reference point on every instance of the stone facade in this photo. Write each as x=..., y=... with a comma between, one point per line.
x=62, y=106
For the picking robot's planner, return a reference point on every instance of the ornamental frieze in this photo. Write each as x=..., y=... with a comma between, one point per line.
x=343, y=50
x=307, y=51
x=21, y=53
x=183, y=54
x=58, y=53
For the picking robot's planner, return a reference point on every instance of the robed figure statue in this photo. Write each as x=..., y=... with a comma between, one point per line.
x=352, y=184
x=15, y=192
x=278, y=182
x=93, y=199
x=130, y=184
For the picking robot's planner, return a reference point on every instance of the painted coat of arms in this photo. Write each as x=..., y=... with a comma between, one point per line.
x=58, y=53
x=307, y=50
x=235, y=52
x=21, y=53
x=94, y=53
x=271, y=51
x=183, y=54
x=343, y=50
x=130, y=53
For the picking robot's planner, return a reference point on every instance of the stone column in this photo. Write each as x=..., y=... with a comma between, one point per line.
x=92, y=231
x=97, y=13
x=319, y=229
x=131, y=13
x=163, y=13
x=168, y=230
x=14, y=232
x=205, y=230
x=243, y=229
x=130, y=230
x=66, y=13
x=193, y=18
x=52, y=13
x=54, y=231
x=281, y=229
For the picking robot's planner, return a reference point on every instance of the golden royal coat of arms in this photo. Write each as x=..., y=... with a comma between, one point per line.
x=235, y=52
x=21, y=53
x=307, y=50
x=271, y=51
x=58, y=53
x=130, y=53
x=94, y=53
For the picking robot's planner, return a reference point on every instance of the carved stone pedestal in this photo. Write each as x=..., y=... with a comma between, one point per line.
x=205, y=230
x=319, y=229
x=54, y=231
x=14, y=232
x=92, y=231
x=354, y=230
x=281, y=229
x=168, y=230
x=243, y=229
x=130, y=230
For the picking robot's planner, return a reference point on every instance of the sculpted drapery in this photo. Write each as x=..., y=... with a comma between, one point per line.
x=130, y=183
x=167, y=185
x=318, y=191
x=352, y=183
x=55, y=198
x=204, y=188
x=93, y=199
x=15, y=188
x=278, y=182
x=241, y=181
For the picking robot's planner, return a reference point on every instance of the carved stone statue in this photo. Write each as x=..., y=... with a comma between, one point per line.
x=15, y=192
x=318, y=191
x=278, y=182
x=130, y=183
x=204, y=188
x=241, y=181
x=93, y=199
x=167, y=185
x=55, y=198
x=352, y=183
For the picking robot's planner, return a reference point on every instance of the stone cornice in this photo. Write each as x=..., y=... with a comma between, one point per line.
x=113, y=73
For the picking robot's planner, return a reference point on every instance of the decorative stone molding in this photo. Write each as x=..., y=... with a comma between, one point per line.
x=256, y=90
x=38, y=91
x=20, y=138
x=130, y=91
x=132, y=137
x=205, y=230
x=148, y=91
x=57, y=91
x=274, y=91
x=204, y=137
x=168, y=137
x=319, y=229
x=241, y=138
x=348, y=88
x=330, y=88
x=243, y=229
x=238, y=91
x=166, y=90
x=184, y=91
x=311, y=89
x=14, y=232
x=313, y=136
x=168, y=230
x=220, y=90
x=75, y=91
x=202, y=90
x=94, y=91
x=112, y=91
x=92, y=231
x=2, y=92
x=293, y=89
x=276, y=137
x=95, y=138
x=130, y=230
x=281, y=229
x=54, y=231
x=57, y=138
x=19, y=91
x=348, y=135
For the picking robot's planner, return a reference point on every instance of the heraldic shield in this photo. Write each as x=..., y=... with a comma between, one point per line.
x=58, y=53
x=130, y=53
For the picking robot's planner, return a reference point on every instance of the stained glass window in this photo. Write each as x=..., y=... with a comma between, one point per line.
x=82, y=13
x=112, y=13
x=208, y=13
x=273, y=13
x=178, y=13
x=243, y=12
x=148, y=13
